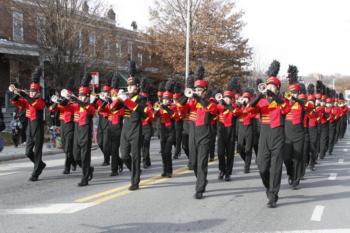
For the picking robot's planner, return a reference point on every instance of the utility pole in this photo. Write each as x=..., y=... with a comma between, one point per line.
x=188, y=40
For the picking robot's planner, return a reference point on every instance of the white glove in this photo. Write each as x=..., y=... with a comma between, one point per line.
x=123, y=97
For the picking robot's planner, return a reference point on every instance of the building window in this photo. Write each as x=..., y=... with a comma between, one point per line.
x=118, y=49
x=106, y=49
x=17, y=24
x=40, y=25
x=130, y=49
x=92, y=44
x=139, y=56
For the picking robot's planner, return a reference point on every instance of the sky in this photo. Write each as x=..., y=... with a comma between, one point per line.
x=311, y=34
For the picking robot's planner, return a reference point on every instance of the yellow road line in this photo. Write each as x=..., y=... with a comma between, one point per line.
x=123, y=190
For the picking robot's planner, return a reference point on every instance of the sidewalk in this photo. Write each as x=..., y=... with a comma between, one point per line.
x=12, y=153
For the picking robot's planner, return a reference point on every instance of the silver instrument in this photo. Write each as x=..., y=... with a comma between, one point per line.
x=262, y=88
x=188, y=92
x=56, y=99
x=218, y=97
x=65, y=94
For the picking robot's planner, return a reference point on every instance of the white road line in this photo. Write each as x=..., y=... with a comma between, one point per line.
x=314, y=231
x=332, y=176
x=49, y=163
x=317, y=214
x=346, y=150
x=341, y=161
x=7, y=173
x=64, y=208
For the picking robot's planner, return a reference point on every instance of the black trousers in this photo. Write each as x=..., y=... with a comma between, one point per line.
x=114, y=138
x=130, y=148
x=324, y=139
x=24, y=123
x=147, y=132
x=226, y=148
x=167, y=138
x=185, y=138
x=337, y=131
x=67, y=136
x=332, y=136
x=306, y=152
x=76, y=148
x=84, y=136
x=270, y=158
x=199, y=152
x=191, y=142
x=293, y=150
x=311, y=146
x=213, y=134
x=245, y=143
x=344, y=123
x=256, y=135
x=34, y=145
x=178, y=137
x=103, y=138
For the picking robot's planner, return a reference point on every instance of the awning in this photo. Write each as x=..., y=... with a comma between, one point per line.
x=14, y=48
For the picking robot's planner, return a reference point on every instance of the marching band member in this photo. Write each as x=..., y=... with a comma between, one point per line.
x=66, y=110
x=245, y=130
x=272, y=109
x=199, y=133
x=332, y=117
x=130, y=143
x=323, y=122
x=111, y=106
x=294, y=130
x=213, y=125
x=311, y=123
x=178, y=122
x=103, y=124
x=34, y=106
x=167, y=113
x=147, y=128
x=226, y=131
x=85, y=109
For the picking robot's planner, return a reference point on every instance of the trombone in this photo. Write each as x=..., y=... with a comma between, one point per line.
x=56, y=99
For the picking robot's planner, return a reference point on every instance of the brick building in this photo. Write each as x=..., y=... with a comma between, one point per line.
x=20, y=50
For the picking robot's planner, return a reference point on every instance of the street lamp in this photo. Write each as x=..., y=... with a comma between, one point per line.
x=188, y=41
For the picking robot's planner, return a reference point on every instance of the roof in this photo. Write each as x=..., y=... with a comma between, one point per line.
x=15, y=48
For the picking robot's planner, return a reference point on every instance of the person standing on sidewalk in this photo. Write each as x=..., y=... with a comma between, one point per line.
x=34, y=106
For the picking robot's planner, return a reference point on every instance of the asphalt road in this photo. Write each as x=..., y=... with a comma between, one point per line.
x=56, y=204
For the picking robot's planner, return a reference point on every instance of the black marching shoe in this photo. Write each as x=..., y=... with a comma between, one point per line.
x=176, y=156
x=272, y=203
x=33, y=178
x=41, y=168
x=246, y=170
x=91, y=173
x=145, y=165
x=221, y=176
x=211, y=159
x=198, y=195
x=228, y=178
x=105, y=164
x=134, y=187
x=66, y=172
x=83, y=183
x=290, y=180
x=114, y=173
x=74, y=167
x=295, y=185
x=163, y=174
x=312, y=168
x=121, y=167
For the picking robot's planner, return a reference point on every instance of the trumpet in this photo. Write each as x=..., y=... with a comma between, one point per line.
x=56, y=99
x=262, y=88
x=65, y=94
x=156, y=106
x=188, y=92
x=288, y=95
x=14, y=89
x=218, y=97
